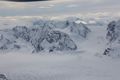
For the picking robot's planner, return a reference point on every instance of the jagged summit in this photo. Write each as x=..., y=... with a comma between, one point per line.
x=36, y=37
x=73, y=25
x=44, y=35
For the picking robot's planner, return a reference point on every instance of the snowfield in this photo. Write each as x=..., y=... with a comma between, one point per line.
x=85, y=63
x=82, y=66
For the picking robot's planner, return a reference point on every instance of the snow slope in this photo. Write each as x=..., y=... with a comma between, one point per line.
x=59, y=67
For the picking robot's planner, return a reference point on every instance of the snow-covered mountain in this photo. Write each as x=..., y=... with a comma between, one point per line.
x=77, y=50
x=44, y=35
x=113, y=37
x=74, y=26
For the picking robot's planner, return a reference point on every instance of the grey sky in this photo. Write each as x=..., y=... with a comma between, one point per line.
x=59, y=7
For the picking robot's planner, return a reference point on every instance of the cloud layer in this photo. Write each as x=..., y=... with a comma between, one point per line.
x=58, y=7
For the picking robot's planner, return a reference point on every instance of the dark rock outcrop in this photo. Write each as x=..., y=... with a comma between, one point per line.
x=51, y=35
x=63, y=41
x=78, y=29
x=113, y=37
x=3, y=77
x=37, y=35
x=111, y=34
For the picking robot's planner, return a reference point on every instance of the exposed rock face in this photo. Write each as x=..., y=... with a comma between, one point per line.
x=51, y=35
x=63, y=41
x=113, y=37
x=7, y=40
x=37, y=35
x=113, y=51
x=107, y=51
x=22, y=31
x=78, y=29
x=3, y=77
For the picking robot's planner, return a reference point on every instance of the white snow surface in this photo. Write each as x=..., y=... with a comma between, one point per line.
x=59, y=67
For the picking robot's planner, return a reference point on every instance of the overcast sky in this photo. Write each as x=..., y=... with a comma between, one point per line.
x=60, y=7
